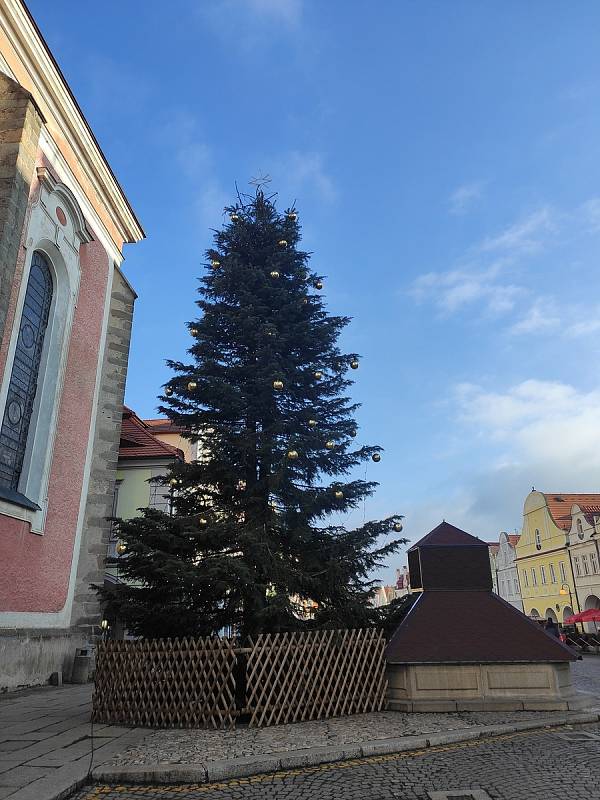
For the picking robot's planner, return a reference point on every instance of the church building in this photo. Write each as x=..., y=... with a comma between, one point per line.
x=65, y=320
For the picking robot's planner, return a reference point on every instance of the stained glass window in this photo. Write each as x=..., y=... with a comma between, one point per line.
x=25, y=372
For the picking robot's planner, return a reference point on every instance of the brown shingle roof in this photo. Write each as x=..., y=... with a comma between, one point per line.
x=446, y=534
x=559, y=506
x=138, y=441
x=470, y=627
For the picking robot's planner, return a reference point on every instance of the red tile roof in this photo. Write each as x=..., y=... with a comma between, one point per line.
x=138, y=441
x=559, y=506
x=163, y=425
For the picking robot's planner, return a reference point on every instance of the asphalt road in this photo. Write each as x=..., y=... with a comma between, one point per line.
x=539, y=765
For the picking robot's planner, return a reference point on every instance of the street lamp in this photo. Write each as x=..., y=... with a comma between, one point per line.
x=564, y=591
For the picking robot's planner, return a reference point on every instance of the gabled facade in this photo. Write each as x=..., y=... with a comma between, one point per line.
x=507, y=577
x=583, y=536
x=65, y=321
x=543, y=559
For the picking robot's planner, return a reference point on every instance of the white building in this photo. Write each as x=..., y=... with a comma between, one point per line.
x=506, y=578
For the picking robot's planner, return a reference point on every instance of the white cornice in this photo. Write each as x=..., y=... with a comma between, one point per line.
x=52, y=88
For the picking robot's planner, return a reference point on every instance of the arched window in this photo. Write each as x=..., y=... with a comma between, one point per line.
x=579, y=528
x=538, y=540
x=24, y=377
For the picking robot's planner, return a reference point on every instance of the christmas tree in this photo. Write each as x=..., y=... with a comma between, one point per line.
x=250, y=543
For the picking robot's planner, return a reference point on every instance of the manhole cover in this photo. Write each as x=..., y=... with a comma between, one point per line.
x=460, y=794
x=579, y=736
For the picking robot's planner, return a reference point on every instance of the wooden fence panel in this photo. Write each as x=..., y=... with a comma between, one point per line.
x=315, y=675
x=166, y=683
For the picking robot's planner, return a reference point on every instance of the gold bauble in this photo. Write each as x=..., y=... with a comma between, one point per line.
x=292, y=455
x=398, y=526
x=168, y=391
x=121, y=548
x=202, y=522
x=291, y=215
x=173, y=482
x=319, y=285
x=318, y=375
x=353, y=433
x=329, y=445
x=234, y=217
x=354, y=364
x=282, y=243
x=194, y=331
x=376, y=457
x=274, y=273
x=192, y=385
x=339, y=495
x=312, y=423
x=304, y=301
x=278, y=385
x=215, y=263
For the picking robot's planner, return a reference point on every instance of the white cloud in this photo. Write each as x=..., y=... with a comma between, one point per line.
x=590, y=212
x=288, y=11
x=462, y=199
x=528, y=235
x=252, y=24
x=541, y=317
x=195, y=160
x=543, y=422
x=451, y=291
x=300, y=171
x=585, y=327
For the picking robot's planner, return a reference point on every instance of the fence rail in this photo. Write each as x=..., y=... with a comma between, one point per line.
x=289, y=677
x=166, y=683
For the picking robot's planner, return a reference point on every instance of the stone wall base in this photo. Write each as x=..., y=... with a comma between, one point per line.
x=29, y=657
x=481, y=687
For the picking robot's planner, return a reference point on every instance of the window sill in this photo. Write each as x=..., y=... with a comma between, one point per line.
x=17, y=499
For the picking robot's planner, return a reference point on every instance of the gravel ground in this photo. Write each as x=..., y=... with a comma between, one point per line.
x=196, y=746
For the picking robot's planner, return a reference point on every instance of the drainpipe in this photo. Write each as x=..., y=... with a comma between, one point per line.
x=574, y=576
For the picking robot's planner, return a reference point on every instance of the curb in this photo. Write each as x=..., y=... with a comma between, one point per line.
x=225, y=769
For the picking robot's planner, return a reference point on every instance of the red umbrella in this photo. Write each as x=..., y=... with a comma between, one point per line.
x=591, y=615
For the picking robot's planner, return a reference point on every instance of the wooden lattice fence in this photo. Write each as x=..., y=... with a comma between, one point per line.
x=166, y=683
x=302, y=676
x=191, y=683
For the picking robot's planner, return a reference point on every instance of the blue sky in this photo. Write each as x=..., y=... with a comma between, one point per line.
x=445, y=159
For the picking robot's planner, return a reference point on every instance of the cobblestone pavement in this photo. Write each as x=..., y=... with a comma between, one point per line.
x=586, y=675
x=521, y=766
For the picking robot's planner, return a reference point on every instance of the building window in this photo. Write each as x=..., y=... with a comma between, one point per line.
x=525, y=577
x=594, y=562
x=577, y=566
x=563, y=574
x=25, y=372
x=543, y=574
x=584, y=561
x=579, y=528
x=533, y=576
x=516, y=586
x=552, y=573
x=538, y=540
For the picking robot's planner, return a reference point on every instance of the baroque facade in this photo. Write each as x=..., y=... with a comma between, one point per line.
x=65, y=319
x=551, y=580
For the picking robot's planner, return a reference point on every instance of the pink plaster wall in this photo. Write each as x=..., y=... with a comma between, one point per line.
x=35, y=569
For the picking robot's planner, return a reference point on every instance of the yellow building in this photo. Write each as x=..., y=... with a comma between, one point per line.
x=166, y=431
x=543, y=559
x=142, y=456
